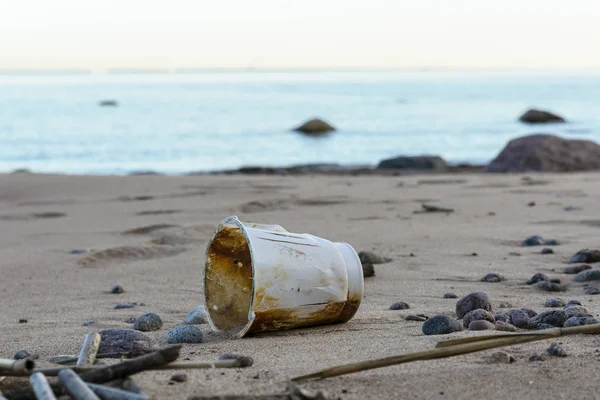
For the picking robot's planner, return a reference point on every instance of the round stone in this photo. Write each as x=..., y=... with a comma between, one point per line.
x=148, y=322
x=538, y=277
x=400, y=306
x=555, y=318
x=441, y=325
x=505, y=327
x=481, y=325
x=477, y=315
x=184, y=334
x=125, y=341
x=196, y=317
x=579, y=321
x=553, y=302
x=473, y=301
x=556, y=350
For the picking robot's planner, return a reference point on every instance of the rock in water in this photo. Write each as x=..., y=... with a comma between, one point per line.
x=556, y=350
x=441, y=325
x=418, y=163
x=477, y=315
x=473, y=301
x=585, y=256
x=125, y=341
x=547, y=153
x=197, y=316
x=555, y=318
x=400, y=306
x=554, y=302
x=148, y=322
x=587, y=275
x=315, y=127
x=368, y=257
x=368, y=270
x=184, y=334
x=534, y=116
x=481, y=325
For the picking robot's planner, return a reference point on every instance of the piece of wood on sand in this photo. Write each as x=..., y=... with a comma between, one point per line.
x=111, y=393
x=77, y=388
x=41, y=387
x=89, y=350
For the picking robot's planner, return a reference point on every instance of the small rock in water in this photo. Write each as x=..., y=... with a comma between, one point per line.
x=124, y=305
x=505, y=327
x=556, y=318
x=537, y=357
x=441, y=325
x=533, y=241
x=504, y=304
x=554, y=302
x=130, y=320
x=519, y=318
x=117, y=289
x=125, y=341
x=591, y=290
x=574, y=303
x=243, y=361
x=575, y=269
x=492, y=277
x=502, y=357
x=556, y=350
x=481, y=325
x=547, y=250
x=148, y=322
x=578, y=321
x=89, y=323
x=473, y=301
x=450, y=296
x=179, y=378
x=21, y=355
x=399, y=306
x=368, y=270
x=502, y=317
x=585, y=256
x=184, y=334
x=368, y=257
x=538, y=277
x=587, y=275
x=550, y=286
x=576, y=311
x=197, y=316
x=413, y=317
x=477, y=315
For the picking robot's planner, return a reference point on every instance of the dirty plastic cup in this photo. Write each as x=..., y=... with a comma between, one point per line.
x=260, y=277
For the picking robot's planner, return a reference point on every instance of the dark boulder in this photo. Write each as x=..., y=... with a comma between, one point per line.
x=534, y=116
x=429, y=163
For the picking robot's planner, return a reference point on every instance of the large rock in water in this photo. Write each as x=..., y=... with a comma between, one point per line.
x=547, y=153
x=431, y=163
x=534, y=116
x=315, y=127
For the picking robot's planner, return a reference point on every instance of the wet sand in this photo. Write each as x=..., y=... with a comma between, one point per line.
x=44, y=218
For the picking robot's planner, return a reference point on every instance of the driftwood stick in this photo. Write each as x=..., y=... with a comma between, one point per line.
x=41, y=387
x=11, y=367
x=90, y=347
x=110, y=393
x=75, y=386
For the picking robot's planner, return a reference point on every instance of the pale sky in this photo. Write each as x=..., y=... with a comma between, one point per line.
x=100, y=34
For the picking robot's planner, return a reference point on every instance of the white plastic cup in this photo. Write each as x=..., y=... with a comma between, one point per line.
x=260, y=277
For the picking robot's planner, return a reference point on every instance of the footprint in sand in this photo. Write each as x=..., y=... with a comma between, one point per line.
x=129, y=253
x=144, y=230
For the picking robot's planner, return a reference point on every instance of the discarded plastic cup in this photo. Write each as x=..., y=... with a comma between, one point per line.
x=261, y=278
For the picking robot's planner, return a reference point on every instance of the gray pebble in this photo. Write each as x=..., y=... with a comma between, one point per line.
x=473, y=301
x=553, y=302
x=591, y=290
x=519, y=318
x=481, y=325
x=502, y=317
x=477, y=315
x=587, y=275
x=197, y=316
x=184, y=334
x=502, y=357
x=125, y=341
x=556, y=350
x=400, y=306
x=542, y=327
x=21, y=355
x=450, y=296
x=538, y=277
x=117, y=289
x=441, y=325
x=575, y=269
x=243, y=361
x=533, y=241
x=412, y=317
x=578, y=321
x=505, y=327
x=124, y=305
x=585, y=256
x=89, y=323
x=576, y=311
x=555, y=318
x=179, y=378
x=574, y=302
x=550, y=287
x=529, y=312
x=148, y=322
x=368, y=257
x=547, y=250
x=368, y=270
x=493, y=278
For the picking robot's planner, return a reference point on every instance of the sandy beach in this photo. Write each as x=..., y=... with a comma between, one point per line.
x=44, y=218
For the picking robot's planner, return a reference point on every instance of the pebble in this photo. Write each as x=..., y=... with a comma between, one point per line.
x=399, y=306
x=519, y=318
x=550, y=287
x=502, y=317
x=591, y=290
x=413, y=317
x=179, y=378
x=574, y=302
x=502, y=357
x=537, y=357
x=533, y=241
x=493, y=277
x=505, y=327
x=481, y=325
x=587, y=275
x=585, y=256
x=89, y=323
x=184, y=334
x=148, y=322
x=368, y=270
x=122, y=341
x=130, y=320
x=21, y=355
x=547, y=250
x=196, y=317
x=555, y=318
x=117, y=289
x=124, y=305
x=477, y=315
x=368, y=257
x=556, y=350
x=531, y=204
x=575, y=269
x=538, y=277
x=473, y=301
x=578, y=321
x=576, y=311
x=441, y=325
x=23, y=320
x=243, y=361
x=542, y=327
x=504, y=304
x=551, y=242
x=450, y=296
x=554, y=302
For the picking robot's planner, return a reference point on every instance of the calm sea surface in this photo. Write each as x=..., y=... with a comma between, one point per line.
x=182, y=122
